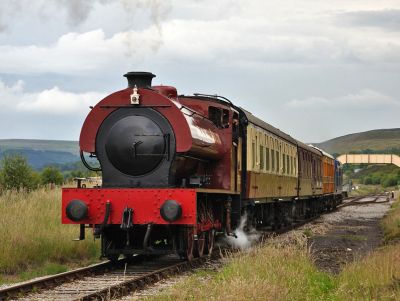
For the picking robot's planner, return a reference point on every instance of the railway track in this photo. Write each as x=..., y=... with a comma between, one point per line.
x=356, y=201
x=106, y=281
x=102, y=281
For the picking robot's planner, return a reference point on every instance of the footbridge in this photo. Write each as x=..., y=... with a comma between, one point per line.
x=369, y=159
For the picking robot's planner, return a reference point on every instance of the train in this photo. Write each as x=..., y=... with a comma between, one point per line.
x=177, y=170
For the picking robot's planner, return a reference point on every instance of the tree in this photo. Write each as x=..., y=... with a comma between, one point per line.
x=16, y=174
x=390, y=180
x=51, y=175
x=367, y=181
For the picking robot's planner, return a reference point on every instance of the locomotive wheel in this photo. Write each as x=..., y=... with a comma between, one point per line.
x=189, y=244
x=201, y=243
x=210, y=241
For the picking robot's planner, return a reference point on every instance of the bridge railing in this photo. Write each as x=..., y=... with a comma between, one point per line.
x=369, y=159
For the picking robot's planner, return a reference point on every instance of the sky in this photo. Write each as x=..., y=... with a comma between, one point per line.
x=314, y=69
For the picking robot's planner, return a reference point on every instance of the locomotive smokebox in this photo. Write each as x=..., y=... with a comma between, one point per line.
x=139, y=79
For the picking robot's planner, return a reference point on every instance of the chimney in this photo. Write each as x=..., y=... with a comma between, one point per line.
x=139, y=79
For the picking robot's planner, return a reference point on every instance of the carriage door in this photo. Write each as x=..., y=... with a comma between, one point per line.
x=314, y=174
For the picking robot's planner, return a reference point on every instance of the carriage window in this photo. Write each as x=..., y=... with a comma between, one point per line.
x=267, y=158
x=261, y=157
x=253, y=150
x=257, y=155
x=291, y=165
x=273, y=159
x=277, y=161
x=284, y=164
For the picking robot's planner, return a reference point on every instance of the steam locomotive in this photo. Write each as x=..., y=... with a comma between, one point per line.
x=176, y=170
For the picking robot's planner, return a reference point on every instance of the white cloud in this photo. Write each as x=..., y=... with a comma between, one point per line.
x=48, y=102
x=362, y=100
x=250, y=36
x=75, y=53
x=266, y=56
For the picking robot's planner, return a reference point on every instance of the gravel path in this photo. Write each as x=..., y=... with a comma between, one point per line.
x=349, y=234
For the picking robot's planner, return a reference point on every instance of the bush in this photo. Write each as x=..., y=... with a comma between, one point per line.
x=376, y=179
x=367, y=181
x=51, y=175
x=389, y=181
x=16, y=174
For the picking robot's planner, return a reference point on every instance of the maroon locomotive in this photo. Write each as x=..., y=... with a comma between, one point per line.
x=177, y=169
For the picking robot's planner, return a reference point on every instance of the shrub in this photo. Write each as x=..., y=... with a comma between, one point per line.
x=16, y=174
x=389, y=181
x=51, y=175
x=367, y=181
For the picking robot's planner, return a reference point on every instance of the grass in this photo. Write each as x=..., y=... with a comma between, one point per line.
x=288, y=273
x=391, y=222
x=366, y=189
x=285, y=271
x=275, y=271
x=33, y=240
x=376, y=277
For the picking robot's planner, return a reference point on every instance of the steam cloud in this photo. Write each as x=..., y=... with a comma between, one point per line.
x=244, y=239
x=77, y=11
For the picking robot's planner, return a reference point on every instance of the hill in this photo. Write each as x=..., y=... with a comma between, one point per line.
x=44, y=152
x=40, y=153
x=375, y=141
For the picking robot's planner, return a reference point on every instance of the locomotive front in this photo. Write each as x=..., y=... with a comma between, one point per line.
x=135, y=145
x=150, y=148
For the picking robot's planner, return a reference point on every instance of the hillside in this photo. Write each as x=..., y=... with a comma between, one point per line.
x=42, y=152
x=384, y=140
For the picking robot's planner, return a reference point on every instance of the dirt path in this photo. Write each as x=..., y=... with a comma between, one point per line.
x=350, y=233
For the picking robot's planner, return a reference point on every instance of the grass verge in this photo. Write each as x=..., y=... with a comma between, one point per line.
x=275, y=271
x=391, y=222
x=33, y=240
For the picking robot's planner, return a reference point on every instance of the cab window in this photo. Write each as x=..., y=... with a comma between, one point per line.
x=220, y=117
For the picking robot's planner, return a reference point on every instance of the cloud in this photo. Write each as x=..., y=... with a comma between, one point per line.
x=387, y=19
x=261, y=54
x=363, y=100
x=247, y=38
x=52, y=101
x=75, y=53
x=49, y=114
x=75, y=12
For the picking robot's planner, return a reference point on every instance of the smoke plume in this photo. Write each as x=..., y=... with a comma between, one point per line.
x=244, y=239
x=77, y=11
